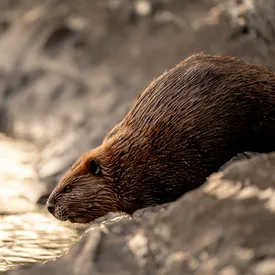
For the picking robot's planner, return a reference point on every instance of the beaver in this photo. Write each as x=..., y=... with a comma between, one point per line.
x=184, y=126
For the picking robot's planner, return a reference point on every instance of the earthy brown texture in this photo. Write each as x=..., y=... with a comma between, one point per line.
x=183, y=127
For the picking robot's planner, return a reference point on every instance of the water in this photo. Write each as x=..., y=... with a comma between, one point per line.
x=32, y=237
x=28, y=233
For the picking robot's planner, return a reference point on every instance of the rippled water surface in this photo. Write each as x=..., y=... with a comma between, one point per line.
x=32, y=237
x=28, y=233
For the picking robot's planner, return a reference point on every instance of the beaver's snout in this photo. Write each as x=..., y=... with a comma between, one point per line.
x=57, y=211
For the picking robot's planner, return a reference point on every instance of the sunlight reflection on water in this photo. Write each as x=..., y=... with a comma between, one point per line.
x=32, y=237
x=28, y=234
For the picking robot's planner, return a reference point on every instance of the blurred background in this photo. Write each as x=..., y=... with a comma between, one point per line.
x=69, y=71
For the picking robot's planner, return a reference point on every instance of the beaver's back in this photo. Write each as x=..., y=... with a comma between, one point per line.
x=208, y=96
x=197, y=116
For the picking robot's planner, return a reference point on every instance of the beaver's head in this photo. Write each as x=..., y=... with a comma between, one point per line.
x=99, y=182
x=84, y=193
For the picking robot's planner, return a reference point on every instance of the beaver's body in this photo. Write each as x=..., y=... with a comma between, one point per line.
x=183, y=127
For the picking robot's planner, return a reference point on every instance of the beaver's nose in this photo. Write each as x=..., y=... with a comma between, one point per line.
x=50, y=208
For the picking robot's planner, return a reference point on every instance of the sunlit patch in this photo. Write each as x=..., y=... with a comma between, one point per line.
x=19, y=184
x=32, y=237
x=225, y=189
x=111, y=217
x=27, y=234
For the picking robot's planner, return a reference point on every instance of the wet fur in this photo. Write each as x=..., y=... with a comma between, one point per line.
x=183, y=127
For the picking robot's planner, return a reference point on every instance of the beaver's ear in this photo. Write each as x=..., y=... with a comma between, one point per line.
x=94, y=167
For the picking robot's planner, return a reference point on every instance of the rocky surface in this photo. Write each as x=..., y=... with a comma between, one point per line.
x=226, y=227
x=69, y=71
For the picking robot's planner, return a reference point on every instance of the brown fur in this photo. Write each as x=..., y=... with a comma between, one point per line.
x=183, y=127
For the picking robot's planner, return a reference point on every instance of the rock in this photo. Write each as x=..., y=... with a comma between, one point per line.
x=264, y=29
x=226, y=227
x=245, y=155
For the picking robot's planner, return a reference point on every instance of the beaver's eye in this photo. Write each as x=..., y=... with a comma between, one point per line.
x=68, y=188
x=94, y=167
